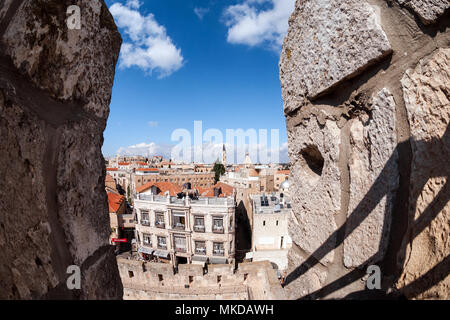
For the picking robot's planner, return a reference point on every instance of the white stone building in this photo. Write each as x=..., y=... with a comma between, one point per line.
x=179, y=231
x=270, y=237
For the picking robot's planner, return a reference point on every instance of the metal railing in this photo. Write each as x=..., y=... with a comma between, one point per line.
x=179, y=226
x=180, y=249
x=160, y=225
x=218, y=229
x=199, y=228
x=219, y=252
x=201, y=251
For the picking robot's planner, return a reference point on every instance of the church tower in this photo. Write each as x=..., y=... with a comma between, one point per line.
x=224, y=156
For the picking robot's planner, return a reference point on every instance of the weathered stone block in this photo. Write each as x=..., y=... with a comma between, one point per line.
x=428, y=10
x=426, y=92
x=373, y=167
x=55, y=89
x=315, y=183
x=328, y=41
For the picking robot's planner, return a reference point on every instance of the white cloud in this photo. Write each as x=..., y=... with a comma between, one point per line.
x=134, y=4
x=152, y=124
x=146, y=149
x=258, y=22
x=200, y=12
x=147, y=45
x=210, y=151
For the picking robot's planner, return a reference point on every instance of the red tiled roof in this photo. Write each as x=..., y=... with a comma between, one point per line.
x=124, y=163
x=283, y=172
x=147, y=169
x=226, y=189
x=141, y=163
x=111, y=169
x=173, y=188
x=108, y=178
x=115, y=201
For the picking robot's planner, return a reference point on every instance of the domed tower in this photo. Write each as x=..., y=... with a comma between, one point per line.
x=284, y=186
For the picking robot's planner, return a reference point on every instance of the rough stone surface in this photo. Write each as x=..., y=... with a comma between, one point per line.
x=426, y=91
x=328, y=41
x=372, y=163
x=428, y=10
x=47, y=44
x=55, y=88
x=311, y=281
x=382, y=134
x=315, y=192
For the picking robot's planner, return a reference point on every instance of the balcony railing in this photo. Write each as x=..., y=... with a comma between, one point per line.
x=180, y=226
x=145, y=223
x=147, y=244
x=199, y=228
x=219, y=252
x=160, y=224
x=162, y=246
x=217, y=229
x=180, y=249
x=200, y=251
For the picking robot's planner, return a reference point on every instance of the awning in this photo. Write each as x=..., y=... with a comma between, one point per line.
x=199, y=258
x=145, y=250
x=161, y=254
x=217, y=260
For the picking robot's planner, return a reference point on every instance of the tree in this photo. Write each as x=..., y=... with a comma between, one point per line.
x=219, y=170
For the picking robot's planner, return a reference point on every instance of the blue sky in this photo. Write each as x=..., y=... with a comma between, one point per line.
x=185, y=60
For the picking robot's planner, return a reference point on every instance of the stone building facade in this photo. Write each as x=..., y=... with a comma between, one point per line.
x=203, y=178
x=186, y=230
x=270, y=237
x=366, y=89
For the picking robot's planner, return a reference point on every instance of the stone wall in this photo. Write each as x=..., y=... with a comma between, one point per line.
x=366, y=90
x=251, y=281
x=55, y=89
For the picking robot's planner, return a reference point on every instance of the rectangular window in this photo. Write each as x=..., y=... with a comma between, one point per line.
x=179, y=220
x=147, y=238
x=159, y=220
x=217, y=225
x=218, y=249
x=200, y=247
x=145, y=220
x=180, y=243
x=199, y=224
x=162, y=243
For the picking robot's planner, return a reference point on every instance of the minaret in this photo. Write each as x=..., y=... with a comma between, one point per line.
x=224, y=156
